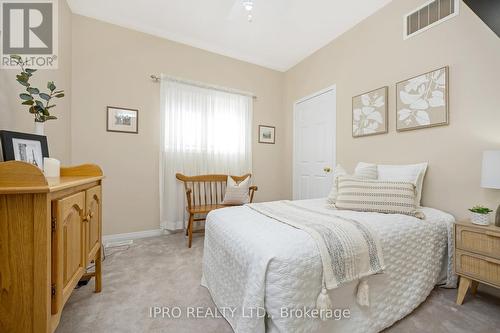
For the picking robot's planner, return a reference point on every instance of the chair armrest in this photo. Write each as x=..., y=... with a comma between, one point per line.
x=251, y=191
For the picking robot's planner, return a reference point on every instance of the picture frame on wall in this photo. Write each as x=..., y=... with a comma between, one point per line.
x=122, y=120
x=267, y=134
x=370, y=113
x=25, y=147
x=423, y=100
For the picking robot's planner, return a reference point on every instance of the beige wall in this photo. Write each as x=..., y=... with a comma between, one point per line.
x=102, y=64
x=111, y=66
x=15, y=117
x=374, y=54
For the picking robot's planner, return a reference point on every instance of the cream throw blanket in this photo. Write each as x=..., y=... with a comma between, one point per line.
x=349, y=250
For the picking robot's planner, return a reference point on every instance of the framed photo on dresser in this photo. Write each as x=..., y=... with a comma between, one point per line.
x=25, y=147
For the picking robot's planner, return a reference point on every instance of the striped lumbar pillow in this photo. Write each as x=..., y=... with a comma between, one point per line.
x=366, y=171
x=377, y=196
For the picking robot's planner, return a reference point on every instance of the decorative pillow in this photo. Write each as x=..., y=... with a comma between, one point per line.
x=377, y=196
x=413, y=173
x=366, y=171
x=236, y=193
x=339, y=171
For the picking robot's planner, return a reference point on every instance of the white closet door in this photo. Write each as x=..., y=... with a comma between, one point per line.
x=314, y=145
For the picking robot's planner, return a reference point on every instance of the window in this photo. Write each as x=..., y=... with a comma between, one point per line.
x=203, y=131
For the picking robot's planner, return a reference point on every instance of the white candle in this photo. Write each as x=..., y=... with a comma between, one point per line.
x=51, y=167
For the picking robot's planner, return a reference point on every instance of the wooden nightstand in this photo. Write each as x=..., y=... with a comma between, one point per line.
x=477, y=256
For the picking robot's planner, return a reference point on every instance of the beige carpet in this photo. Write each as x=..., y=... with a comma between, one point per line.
x=161, y=271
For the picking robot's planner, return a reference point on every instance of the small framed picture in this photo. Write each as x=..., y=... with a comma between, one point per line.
x=122, y=120
x=25, y=147
x=267, y=134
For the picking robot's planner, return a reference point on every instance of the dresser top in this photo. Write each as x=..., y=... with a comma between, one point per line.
x=468, y=223
x=20, y=177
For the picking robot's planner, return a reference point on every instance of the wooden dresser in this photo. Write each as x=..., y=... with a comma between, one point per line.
x=50, y=232
x=477, y=256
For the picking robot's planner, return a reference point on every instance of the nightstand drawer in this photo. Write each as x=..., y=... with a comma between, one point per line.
x=478, y=267
x=479, y=241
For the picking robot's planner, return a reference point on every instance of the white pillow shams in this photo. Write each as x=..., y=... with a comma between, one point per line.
x=413, y=173
x=364, y=171
x=236, y=193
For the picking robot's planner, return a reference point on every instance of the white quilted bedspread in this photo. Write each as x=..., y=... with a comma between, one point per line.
x=252, y=262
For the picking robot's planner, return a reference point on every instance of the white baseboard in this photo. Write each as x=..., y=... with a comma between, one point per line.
x=108, y=239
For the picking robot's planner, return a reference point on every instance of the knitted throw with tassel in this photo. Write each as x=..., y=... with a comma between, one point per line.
x=349, y=250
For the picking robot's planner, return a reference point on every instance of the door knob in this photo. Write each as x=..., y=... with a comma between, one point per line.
x=327, y=169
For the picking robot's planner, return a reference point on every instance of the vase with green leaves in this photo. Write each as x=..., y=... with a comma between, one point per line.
x=480, y=215
x=39, y=103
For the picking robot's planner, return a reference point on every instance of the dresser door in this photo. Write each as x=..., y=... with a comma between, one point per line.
x=93, y=225
x=68, y=246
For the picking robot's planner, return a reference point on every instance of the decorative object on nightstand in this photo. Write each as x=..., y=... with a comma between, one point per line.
x=477, y=257
x=480, y=215
x=490, y=175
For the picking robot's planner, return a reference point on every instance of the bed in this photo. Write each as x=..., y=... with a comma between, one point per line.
x=260, y=271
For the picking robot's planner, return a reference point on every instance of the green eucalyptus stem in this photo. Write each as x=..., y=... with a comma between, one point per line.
x=37, y=101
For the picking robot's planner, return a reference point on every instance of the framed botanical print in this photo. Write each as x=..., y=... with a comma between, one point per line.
x=422, y=101
x=267, y=134
x=122, y=120
x=369, y=113
x=25, y=147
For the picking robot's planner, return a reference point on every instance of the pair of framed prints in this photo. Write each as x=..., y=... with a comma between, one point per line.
x=421, y=102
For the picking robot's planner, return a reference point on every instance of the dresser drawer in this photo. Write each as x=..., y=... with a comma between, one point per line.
x=479, y=241
x=478, y=267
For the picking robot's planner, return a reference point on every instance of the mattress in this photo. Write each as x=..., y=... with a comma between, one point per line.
x=264, y=276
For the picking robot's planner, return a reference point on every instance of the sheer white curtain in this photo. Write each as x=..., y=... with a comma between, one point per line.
x=203, y=131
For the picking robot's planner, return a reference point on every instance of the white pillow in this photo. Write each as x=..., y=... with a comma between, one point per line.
x=339, y=171
x=364, y=171
x=236, y=194
x=413, y=173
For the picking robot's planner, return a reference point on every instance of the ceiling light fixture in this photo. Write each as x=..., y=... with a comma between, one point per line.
x=248, y=5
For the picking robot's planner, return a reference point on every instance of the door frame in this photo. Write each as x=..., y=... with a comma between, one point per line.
x=294, y=132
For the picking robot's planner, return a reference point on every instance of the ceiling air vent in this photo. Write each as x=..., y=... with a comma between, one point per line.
x=429, y=15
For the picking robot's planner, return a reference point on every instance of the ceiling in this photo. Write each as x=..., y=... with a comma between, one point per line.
x=283, y=32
